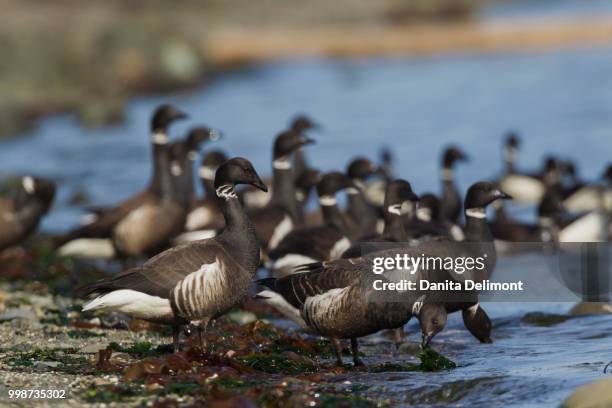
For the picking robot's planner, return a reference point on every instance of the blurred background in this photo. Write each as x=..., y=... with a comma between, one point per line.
x=79, y=79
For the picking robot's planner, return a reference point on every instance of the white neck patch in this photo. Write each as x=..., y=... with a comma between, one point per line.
x=424, y=214
x=418, y=305
x=473, y=309
x=159, y=138
x=395, y=209
x=192, y=155
x=28, y=184
x=327, y=200
x=281, y=164
x=300, y=196
x=476, y=213
x=226, y=192
x=447, y=174
x=207, y=172
x=175, y=169
x=352, y=190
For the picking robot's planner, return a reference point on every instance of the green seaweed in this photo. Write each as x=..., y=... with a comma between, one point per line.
x=140, y=349
x=69, y=363
x=431, y=360
x=276, y=363
x=83, y=334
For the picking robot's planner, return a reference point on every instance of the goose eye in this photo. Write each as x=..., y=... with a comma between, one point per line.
x=435, y=321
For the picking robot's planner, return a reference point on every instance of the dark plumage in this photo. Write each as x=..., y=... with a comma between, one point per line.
x=362, y=217
x=106, y=220
x=193, y=282
x=282, y=213
x=20, y=217
x=450, y=205
x=315, y=243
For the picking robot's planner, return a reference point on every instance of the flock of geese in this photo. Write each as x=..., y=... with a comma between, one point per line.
x=203, y=252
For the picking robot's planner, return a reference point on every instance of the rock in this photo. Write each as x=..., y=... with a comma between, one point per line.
x=242, y=317
x=47, y=364
x=594, y=395
x=590, y=308
x=21, y=313
x=92, y=348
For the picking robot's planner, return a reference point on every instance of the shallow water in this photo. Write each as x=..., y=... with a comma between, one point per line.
x=560, y=101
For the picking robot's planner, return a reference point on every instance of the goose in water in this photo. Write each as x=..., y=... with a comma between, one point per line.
x=194, y=282
x=20, y=217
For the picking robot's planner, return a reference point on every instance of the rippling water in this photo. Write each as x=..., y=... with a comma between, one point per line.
x=560, y=101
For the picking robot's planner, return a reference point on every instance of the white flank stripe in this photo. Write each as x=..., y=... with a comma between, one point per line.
x=279, y=303
x=281, y=230
x=28, y=184
x=284, y=265
x=339, y=248
x=133, y=303
x=88, y=248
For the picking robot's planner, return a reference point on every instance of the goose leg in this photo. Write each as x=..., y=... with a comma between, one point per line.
x=337, y=351
x=176, y=338
x=398, y=337
x=201, y=327
x=355, y=350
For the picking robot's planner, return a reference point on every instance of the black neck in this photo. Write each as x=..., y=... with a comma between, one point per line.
x=394, y=228
x=168, y=189
x=477, y=228
x=283, y=192
x=357, y=205
x=239, y=232
x=333, y=217
x=158, y=150
x=188, y=177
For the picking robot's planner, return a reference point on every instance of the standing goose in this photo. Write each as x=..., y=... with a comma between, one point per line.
x=19, y=219
x=428, y=212
x=580, y=196
x=363, y=218
x=398, y=198
x=253, y=198
x=337, y=300
x=507, y=231
x=193, y=282
x=106, y=220
x=450, y=206
x=479, y=244
x=148, y=227
x=318, y=243
x=282, y=213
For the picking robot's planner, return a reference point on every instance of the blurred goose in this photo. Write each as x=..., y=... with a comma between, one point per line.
x=304, y=186
x=20, y=217
x=374, y=189
x=363, y=218
x=580, y=196
x=398, y=197
x=318, y=243
x=590, y=226
x=428, y=212
x=282, y=213
x=450, y=204
x=193, y=282
x=507, y=232
x=148, y=227
x=526, y=188
x=204, y=219
x=105, y=221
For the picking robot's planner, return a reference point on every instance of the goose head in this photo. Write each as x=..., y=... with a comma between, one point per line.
x=483, y=193
x=199, y=135
x=288, y=142
x=305, y=183
x=210, y=163
x=399, y=197
x=452, y=155
x=332, y=183
x=360, y=168
x=164, y=115
x=432, y=318
x=302, y=123
x=238, y=171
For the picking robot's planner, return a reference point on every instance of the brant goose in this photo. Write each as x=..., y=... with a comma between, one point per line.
x=20, y=217
x=147, y=228
x=525, y=188
x=428, y=212
x=193, y=282
x=479, y=245
x=590, y=226
x=105, y=222
x=398, y=197
x=282, y=213
x=318, y=243
x=337, y=300
x=450, y=206
x=301, y=124
x=375, y=189
x=363, y=218
x=580, y=196
x=205, y=218
x=253, y=198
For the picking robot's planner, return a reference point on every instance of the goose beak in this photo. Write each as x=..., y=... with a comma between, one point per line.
x=259, y=184
x=426, y=338
x=306, y=141
x=503, y=196
x=180, y=115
